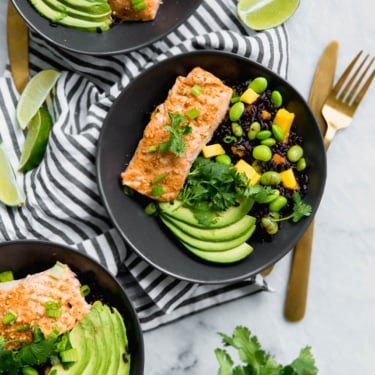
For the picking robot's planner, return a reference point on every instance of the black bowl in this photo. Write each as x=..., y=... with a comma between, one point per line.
x=122, y=130
x=120, y=38
x=31, y=256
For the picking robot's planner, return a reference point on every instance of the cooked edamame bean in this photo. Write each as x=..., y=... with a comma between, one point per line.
x=258, y=84
x=237, y=129
x=270, y=178
x=223, y=159
x=29, y=371
x=268, y=142
x=236, y=111
x=277, y=204
x=263, y=134
x=262, y=153
x=276, y=98
x=269, y=225
x=301, y=164
x=294, y=153
x=253, y=130
x=278, y=133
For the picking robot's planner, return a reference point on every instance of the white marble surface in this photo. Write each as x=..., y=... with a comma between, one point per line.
x=339, y=323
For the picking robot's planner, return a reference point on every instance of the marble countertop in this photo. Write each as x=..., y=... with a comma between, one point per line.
x=339, y=323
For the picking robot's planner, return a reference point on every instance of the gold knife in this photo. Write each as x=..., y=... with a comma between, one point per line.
x=296, y=298
x=18, y=47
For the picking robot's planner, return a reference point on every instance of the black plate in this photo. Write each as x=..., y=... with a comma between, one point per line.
x=25, y=257
x=121, y=132
x=120, y=38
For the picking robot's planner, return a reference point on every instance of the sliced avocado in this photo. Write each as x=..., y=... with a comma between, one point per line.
x=88, y=15
x=229, y=256
x=122, y=342
x=66, y=20
x=227, y=233
x=208, y=245
x=95, y=5
x=231, y=215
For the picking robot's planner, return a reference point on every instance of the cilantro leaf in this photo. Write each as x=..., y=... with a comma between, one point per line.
x=255, y=360
x=300, y=209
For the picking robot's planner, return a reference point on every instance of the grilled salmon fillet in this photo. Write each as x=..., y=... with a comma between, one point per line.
x=123, y=10
x=211, y=105
x=27, y=297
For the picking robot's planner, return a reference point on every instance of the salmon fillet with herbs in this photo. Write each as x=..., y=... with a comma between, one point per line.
x=194, y=108
x=30, y=302
x=125, y=10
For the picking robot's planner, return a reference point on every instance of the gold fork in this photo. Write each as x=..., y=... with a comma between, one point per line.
x=343, y=100
x=338, y=111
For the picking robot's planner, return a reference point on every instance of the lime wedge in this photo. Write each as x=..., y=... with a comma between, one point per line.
x=34, y=95
x=36, y=140
x=265, y=14
x=10, y=193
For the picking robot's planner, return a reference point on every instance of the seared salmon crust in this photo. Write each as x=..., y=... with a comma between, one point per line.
x=123, y=10
x=211, y=105
x=27, y=299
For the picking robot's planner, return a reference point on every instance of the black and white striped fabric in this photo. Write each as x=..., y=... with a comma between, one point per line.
x=63, y=203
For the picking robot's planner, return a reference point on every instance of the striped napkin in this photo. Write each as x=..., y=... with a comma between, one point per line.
x=63, y=204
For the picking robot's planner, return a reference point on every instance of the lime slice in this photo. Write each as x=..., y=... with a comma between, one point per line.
x=34, y=95
x=265, y=14
x=36, y=140
x=10, y=193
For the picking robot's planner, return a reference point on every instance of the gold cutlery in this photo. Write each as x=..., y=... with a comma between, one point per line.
x=18, y=47
x=295, y=303
x=338, y=111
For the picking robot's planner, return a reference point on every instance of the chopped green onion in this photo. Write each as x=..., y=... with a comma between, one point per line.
x=196, y=90
x=22, y=328
x=151, y=209
x=57, y=270
x=152, y=148
x=138, y=5
x=229, y=139
x=10, y=317
x=157, y=190
x=128, y=191
x=193, y=113
x=6, y=276
x=53, y=309
x=235, y=99
x=85, y=290
x=159, y=178
x=69, y=355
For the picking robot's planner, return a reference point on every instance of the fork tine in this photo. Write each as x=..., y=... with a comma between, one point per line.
x=346, y=73
x=365, y=87
x=357, y=85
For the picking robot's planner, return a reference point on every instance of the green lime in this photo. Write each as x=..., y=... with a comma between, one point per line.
x=36, y=140
x=34, y=95
x=265, y=14
x=10, y=193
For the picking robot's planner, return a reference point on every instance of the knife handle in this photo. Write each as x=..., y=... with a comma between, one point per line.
x=296, y=297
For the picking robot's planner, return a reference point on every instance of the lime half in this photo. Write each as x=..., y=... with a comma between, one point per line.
x=265, y=14
x=36, y=140
x=34, y=95
x=10, y=193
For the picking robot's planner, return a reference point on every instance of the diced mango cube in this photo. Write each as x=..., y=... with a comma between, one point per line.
x=284, y=120
x=243, y=167
x=210, y=151
x=249, y=96
x=289, y=180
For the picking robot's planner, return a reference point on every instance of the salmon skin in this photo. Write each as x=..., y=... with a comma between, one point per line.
x=124, y=11
x=27, y=298
x=211, y=104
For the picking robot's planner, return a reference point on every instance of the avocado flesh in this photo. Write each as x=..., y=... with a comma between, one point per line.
x=227, y=233
x=96, y=6
x=225, y=218
x=88, y=15
x=229, y=256
x=100, y=340
x=208, y=245
x=66, y=20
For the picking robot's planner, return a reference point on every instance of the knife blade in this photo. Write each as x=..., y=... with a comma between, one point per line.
x=18, y=47
x=296, y=297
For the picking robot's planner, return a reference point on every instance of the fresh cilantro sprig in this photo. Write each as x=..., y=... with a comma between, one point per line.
x=255, y=360
x=177, y=129
x=300, y=209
